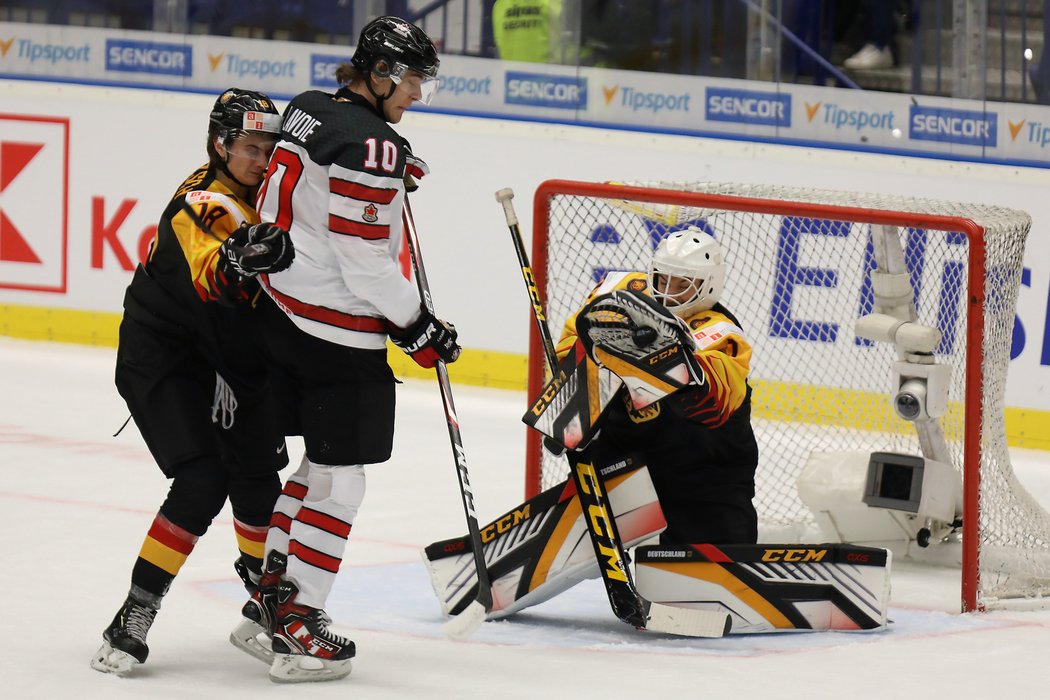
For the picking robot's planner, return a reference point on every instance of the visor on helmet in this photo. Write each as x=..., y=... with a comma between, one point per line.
x=426, y=83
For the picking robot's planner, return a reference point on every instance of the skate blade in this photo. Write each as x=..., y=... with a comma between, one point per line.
x=251, y=638
x=300, y=668
x=110, y=660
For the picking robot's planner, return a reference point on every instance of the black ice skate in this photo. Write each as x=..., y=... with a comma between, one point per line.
x=304, y=648
x=259, y=615
x=124, y=645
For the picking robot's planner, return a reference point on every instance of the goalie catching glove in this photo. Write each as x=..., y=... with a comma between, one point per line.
x=629, y=324
x=637, y=338
x=253, y=249
x=428, y=340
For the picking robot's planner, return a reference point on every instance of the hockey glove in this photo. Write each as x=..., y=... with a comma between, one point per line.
x=253, y=249
x=428, y=340
x=633, y=336
x=629, y=324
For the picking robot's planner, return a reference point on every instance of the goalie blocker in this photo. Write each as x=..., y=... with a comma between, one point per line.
x=540, y=549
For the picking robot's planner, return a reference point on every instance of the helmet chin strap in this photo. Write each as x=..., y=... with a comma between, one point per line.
x=380, y=99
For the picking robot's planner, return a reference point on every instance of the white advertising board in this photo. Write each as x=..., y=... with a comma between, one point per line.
x=86, y=169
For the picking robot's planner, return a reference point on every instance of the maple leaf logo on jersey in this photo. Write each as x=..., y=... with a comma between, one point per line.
x=371, y=214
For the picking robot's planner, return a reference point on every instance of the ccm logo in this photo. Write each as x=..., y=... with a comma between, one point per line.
x=794, y=554
x=505, y=523
x=663, y=354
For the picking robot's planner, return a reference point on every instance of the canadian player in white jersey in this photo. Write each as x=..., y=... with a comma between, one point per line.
x=337, y=183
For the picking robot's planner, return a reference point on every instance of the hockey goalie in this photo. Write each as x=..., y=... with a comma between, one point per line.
x=652, y=391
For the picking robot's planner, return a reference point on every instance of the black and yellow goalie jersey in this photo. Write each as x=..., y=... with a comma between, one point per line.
x=721, y=351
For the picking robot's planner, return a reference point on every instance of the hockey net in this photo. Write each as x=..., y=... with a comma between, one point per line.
x=799, y=263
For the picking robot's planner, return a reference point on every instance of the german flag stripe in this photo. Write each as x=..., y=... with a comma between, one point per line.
x=162, y=556
x=251, y=539
x=330, y=317
x=354, y=190
x=311, y=556
x=324, y=522
x=253, y=548
x=251, y=532
x=349, y=227
x=171, y=536
x=282, y=522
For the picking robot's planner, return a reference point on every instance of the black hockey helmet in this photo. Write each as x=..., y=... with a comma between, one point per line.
x=237, y=111
x=388, y=45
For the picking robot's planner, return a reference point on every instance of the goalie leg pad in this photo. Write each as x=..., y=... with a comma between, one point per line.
x=542, y=547
x=771, y=587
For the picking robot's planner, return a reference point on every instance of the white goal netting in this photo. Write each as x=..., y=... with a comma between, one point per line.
x=799, y=277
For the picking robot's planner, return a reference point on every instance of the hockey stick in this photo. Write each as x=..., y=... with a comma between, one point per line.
x=627, y=604
x=471, y=618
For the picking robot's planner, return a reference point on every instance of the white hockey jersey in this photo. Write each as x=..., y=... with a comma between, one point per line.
x=336, y=183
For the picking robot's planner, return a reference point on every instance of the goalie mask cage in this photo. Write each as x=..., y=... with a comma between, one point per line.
x=798, y=263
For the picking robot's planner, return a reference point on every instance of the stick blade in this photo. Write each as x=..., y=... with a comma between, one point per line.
x=688, y=622
x=463, y=625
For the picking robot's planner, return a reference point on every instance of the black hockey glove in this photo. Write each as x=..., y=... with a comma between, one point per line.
x=428, y=340
x=253, y=249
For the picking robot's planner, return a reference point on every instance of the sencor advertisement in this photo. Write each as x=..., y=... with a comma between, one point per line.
x=962, y=126
x=151, y=57
x=73, y=223
x=748, y=107
x=689, y=105
x=542, y=90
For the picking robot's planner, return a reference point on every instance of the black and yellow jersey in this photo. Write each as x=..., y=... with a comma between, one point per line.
x=180, y=285
x=698, y=442
x=721, y=349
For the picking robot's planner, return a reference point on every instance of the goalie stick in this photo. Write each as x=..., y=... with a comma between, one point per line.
x=471, y=618
x=627, y=604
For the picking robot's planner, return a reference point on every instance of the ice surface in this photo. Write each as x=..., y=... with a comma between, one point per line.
x=75, y=504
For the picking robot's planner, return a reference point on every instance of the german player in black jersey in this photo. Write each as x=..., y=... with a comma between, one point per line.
x=189, y=366
x=337, y=183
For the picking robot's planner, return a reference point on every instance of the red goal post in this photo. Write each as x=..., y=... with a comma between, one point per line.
x=799, y=262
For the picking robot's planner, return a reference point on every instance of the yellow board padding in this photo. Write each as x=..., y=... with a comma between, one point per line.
x=487, y=368
x=1025, y=427
x=59, y=325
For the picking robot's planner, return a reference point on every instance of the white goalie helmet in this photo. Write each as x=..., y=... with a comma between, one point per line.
x=687, y=272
